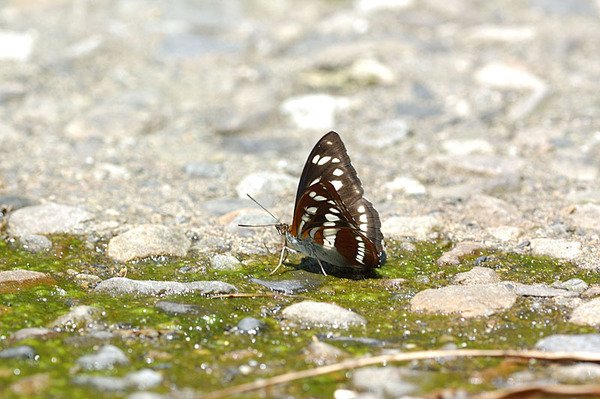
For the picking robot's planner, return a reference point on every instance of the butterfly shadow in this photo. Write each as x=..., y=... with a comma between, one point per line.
x=311, y=265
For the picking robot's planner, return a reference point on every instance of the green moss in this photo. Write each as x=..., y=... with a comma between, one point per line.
x=202, y=352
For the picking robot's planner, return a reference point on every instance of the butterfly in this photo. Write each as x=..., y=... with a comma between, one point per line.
x=332, y=221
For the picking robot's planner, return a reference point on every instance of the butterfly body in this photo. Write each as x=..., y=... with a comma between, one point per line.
x=332, y=220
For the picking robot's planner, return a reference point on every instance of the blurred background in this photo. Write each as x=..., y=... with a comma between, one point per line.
x=482, y=113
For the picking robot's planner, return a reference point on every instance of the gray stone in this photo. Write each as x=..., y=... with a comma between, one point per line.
x=477, y=275
x=322, y=314
x=204, y=169
x=321, y=353
x=122, y=285
x=250, y=325
x=575, y=284
x=314, y=111
x=570, y=343
x=14, y=280
x=32, y=332
x=265, y=187
x=35, y=242
x=505, y=233
x=48, y=218
x=461, y=249
x=78, y=317
x=537, y=290
x=591, y=292
x=385, y=134
x=384, y=382
x=142, y=379
x=178, y=308
x=556, y=248
x=14, y=202
x=18, y=352
x=587, y=314
x=148, y=240
x=288, y=287
x=106, y=357
x=468, y=301
x=225, y=262
x=406, y=185
x=418, y=227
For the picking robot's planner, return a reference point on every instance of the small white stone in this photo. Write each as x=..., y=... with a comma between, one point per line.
x=377, y=5
x=314, y=111
x=407, y=185
x=16, y=46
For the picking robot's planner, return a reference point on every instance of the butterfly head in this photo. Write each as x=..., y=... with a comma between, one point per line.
x=282, y=228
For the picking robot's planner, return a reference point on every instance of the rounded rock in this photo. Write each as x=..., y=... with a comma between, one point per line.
x=322, y=314
x=148, y=240
x=225, y=262
x=48, y=218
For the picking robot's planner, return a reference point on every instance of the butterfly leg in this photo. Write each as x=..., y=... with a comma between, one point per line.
x=282, y=259
x=320, y=264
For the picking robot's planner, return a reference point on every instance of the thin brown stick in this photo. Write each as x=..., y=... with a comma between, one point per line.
x=256, y=295
x=400, y=357
x=530, y=391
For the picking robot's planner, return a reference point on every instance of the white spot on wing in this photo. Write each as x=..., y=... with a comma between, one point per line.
x=316, y=158
x=330, y=232
x=319, y=198
x=324, y=160
x=331, y=218
x=363, y=218
x=318, y=179
x=335, y=160
x=334, y=210
x=361, y=209
x=312, y=210
x=338, y=172
x=364, y=227
x=312, y=194
x=337, y=184
x=329, y=224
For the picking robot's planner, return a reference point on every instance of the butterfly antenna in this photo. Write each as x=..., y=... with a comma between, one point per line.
x=265, y=209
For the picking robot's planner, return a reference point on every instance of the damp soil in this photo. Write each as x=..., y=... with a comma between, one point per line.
x=203, y=352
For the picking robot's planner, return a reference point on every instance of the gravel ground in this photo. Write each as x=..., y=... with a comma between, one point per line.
x=465, y=120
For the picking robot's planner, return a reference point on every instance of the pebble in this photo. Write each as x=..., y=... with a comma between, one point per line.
x=477, y=275
x=321, y=353
x=406, y=185
x=570, y=343
x=505, y=233
x=31, y=332
x=504, y=76
x=537, y=290
x=249, y=217
x=314, y=111
x=502, y=33
x=204, y=169
x=142, y=379
x=148, y=240
x=489, y=211
x=265, y=187
x=86, y=280
x=17, y=46
x=587, y=314
x=250, y=325
x=35, y=242
x=586, y=216
x=468, y=301
x=18, y=352
x=225, y=262
x=176, y=308
x=106, y=357
x=288, y=287
x=123, y=285
x=556, y=248
x=322, y=314
x=384, y=382
x=418, y=227
x=18, y=279
x=467, y=147
x=48, y=218
x=452, y=257
x=371, y=71
x=385, y=134
x=81, y=316
x=575, y=284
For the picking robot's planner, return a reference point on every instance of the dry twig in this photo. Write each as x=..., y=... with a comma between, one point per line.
x=401, y=357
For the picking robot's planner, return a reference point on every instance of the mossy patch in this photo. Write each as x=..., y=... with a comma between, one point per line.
x=203, y=352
